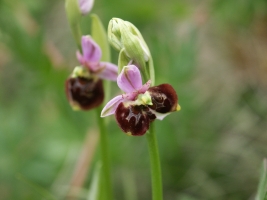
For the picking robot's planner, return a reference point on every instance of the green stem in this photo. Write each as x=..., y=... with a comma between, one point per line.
x=106, y=177
x=74, y=18
x=77, y=34
x=155, y=164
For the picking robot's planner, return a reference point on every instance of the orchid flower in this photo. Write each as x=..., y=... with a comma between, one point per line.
x=140, y=104
x=84, y=88
x=85, y=6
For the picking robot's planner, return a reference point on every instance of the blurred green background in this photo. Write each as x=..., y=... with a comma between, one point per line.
x=213, y=52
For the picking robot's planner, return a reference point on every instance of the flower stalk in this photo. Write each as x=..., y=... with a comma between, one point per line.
x=74, y=17
x=84, y=88
x=100, y=36
x=156, y=179
x=106, y=192
x=139, y=105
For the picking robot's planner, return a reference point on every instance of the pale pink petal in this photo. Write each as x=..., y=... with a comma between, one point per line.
x=112, y=105
x=129, y=80
x=108, y=71
x=145, y=87
x=86, y=6
x=131, y=96
x=91, y=50
x=80, y=58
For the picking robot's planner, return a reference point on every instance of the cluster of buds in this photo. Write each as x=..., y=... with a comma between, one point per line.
x=127, y=39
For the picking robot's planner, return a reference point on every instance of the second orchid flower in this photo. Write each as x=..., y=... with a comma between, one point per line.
x=84, y=88
x=141, y=104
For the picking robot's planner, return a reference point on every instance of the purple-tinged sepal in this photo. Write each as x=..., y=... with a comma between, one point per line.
x=111, y=106
x=107, y=71
x=129, y=80
x=91, y=52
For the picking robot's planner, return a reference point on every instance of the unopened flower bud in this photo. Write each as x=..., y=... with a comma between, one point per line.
x=127, y=39
x=114, y=34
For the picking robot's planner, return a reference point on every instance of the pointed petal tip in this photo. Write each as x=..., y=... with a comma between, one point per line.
x=161, y=116
x=111, y=106
x=106, y=112
x=79, y=57
x=145, y=87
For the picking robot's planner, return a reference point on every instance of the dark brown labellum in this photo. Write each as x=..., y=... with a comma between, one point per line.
x=134, y=119
x=164, y=98
x=87, y=93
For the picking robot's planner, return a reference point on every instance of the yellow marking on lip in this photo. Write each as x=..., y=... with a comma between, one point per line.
x=178, y=108
x=129, y=134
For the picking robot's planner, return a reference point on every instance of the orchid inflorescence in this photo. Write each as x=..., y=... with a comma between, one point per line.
x=139, y=105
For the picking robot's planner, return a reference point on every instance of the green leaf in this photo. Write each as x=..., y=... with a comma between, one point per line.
x=262, y=188
x=38, y=189
x=94, y=191
x=129, y=185
x=100, y=36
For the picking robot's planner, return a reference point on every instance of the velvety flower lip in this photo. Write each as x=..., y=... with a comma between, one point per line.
x=85, y=6
x=84, y=93
x=134, y=120
x=90, y=58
